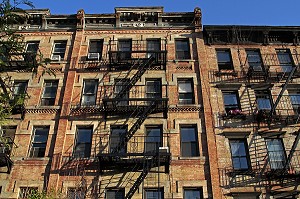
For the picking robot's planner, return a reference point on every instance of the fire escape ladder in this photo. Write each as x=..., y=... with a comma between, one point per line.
x=142, y=67
x=141, y=118
x=284, y=86
x=148, y=164
x=293, y=149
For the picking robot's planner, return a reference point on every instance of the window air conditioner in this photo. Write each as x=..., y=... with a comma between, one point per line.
x=164, y=149
x=55, y=58
x=93, y=56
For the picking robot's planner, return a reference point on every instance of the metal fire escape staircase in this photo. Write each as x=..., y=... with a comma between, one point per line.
x=147, y=106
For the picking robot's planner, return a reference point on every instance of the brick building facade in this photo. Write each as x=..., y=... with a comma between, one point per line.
x=144, y=103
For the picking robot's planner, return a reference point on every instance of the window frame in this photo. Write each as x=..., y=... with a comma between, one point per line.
x=124, y=51
x=245, y=156
x=153, y=47
x=275, y=165
x=44, y=99
x=77, y=152
x=157, y=91
x=115, y=140
x=152, y=140
x=31, y=153
x=94, y=93
x=35, y=44
x=160, y=191
x=264, y=95
x=181, y=53
x=99, y=48
x=200, y=189
x=294, y=96
x=185, y=97
x=255, y=66
x=231, y=107
x=25, y=82
x=222, y=64
x=119, y=190
x=286, y=54
x=194, y=143
x=62, y=50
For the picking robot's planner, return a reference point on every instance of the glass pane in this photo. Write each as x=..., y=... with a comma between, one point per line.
x=115, y=194
x=153, y=45
x=264, y=104
x=185, y=87
x=84, y=135
x=124, y=45
x=276, y=153
x=32, y=47
x=96, y=46
x=154, y=194
x=230, y=99
x=40, y=135
x=20, y=87
x=116, y=137
x=90, y=87
x=188, y=134
x=192, y=194
x=223, y=56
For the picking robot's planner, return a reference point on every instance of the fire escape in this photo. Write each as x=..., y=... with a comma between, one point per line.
x=281, y=177
x=127, y=150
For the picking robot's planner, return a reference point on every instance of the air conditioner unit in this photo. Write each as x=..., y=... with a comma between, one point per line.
x=93, y=56
x=164, y=149
x=55, y=58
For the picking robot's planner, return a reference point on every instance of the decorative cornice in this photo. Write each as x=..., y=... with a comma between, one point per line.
x=185, y=108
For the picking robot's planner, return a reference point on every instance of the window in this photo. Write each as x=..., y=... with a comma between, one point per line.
x=185, y=91
x=125, y=48
x=95, y=49
x=263, y=99
x=182, y=47
x=59, y=50
x=7, y=134
x=254, y=60
x=120, y=84
x=231, y=101
x=39, y=142
x=25, y=192
x=153, y=48
x=83, y=142
x=89, y=92
x=285, y=60
x=239, y=154
x=153, y=138
x=117, y=139
x=74, y=193
x=224, y=60
x=32, y=47
x=115, y=194
x=153, y=88
x=192, y=193
x=189, y=141
x=49, y=93
x=20, y=87
x=295, y=100
x=276, y=153
x=154, y=193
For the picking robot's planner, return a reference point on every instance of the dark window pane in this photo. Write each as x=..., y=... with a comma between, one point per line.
x=32, y=47
x=96, y=46
x=185, y=92
x=39, y=142
x=263, y=100
x=239, y=154
x=276, y=153
x=20, y=87
x=49, y=93
x=182, y=49
x=83, y=142
x=231, y=101
x=154, y=194
x=254, y=60
x=224, y=60
x=115, y=194
x=153, y=138
x=117, y=144
x=189, y=141
x=193, y=193
x=153, y=88
x=285, y=60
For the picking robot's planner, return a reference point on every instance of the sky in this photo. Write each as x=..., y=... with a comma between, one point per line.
x=214, y=12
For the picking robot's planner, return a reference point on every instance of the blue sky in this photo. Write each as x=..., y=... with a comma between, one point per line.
x=215, y=12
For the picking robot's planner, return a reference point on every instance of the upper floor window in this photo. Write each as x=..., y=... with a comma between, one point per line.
x=95, y=49
x=224, y=60
x=20, y=87
x=185, y=91
x=276, y=153
x=121, y=88
x=154, y=193
x=39, y=141
x=49, y=93
x=59, y=49
x=189, y=141
x=254, y=60
x=153, y=138
x=192, y=193
x=117, y=139
x=124, y=48
x=182, y=47
x=83, y=141
x=263, y=99
x=239, y=154
x=153, y=88
x=153, y=48
x=231, y=101
x=89, y=92
x=285, y=60
x=32, y=47
x=295, y=100
x=115, y=194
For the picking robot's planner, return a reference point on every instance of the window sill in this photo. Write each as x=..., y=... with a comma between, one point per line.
x=42, y=107
x=182, y=60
